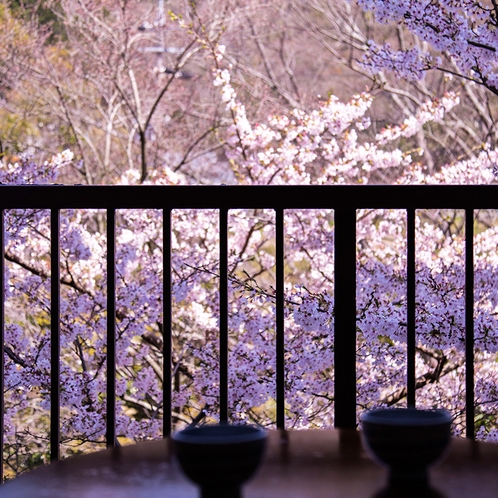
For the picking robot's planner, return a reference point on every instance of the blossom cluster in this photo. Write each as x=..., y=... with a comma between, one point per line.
x=321, y=146
x=465, y=31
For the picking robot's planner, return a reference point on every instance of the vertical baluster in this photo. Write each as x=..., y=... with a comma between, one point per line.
x=410, y=304
x=2, y=338
x=223, y=223
x=280, y=330
x=111, y=329
x=167, y=325
x=55, y=334
x=345, y=318
x=469, y=322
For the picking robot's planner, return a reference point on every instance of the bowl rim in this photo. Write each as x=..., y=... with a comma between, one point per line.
x=196, y=435
x=407, y=417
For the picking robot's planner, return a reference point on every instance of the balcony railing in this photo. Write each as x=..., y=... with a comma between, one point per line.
x=344, y=200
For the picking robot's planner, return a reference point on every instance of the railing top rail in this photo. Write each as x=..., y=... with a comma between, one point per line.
x=253, y=196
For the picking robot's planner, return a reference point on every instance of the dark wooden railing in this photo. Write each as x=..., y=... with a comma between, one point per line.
x=344, y=200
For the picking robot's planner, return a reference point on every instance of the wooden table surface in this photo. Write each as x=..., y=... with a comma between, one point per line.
x=297, y=464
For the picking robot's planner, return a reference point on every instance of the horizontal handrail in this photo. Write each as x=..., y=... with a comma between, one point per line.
x=253, y=196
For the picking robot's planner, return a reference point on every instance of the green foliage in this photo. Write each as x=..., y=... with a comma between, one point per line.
x=15, y=131
x=45, y=13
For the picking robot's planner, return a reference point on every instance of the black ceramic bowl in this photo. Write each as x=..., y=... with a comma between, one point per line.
x=220, y=458
x=407, y=441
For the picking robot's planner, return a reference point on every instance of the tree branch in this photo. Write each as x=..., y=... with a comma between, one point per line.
x=66, y=280
x=442, y=368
